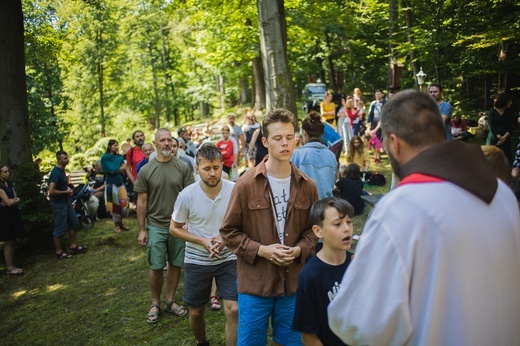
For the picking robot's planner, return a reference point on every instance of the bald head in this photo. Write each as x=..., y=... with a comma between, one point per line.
x=414, y=117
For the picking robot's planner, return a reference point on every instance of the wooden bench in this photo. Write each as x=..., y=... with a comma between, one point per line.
x=77, y=177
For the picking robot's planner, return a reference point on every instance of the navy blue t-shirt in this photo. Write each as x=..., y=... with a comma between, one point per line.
x=318, y=283
x=59, y=177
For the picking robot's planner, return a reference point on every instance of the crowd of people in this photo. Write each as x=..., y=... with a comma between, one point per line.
x=274, y=244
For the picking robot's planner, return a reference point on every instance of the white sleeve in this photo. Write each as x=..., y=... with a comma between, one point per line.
x=372, y=306
x=180, y=209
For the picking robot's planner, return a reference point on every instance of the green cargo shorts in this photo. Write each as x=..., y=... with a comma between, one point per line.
x=163, y=246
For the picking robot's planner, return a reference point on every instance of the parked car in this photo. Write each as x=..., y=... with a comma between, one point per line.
x=313, y=94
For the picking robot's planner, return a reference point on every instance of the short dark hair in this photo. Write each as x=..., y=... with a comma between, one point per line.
x=135, y=132
x=209, y=152
x=313, y=125
x=59, y=153
x=278, y=115
x=436, y=85
x=351, y=171
x=317, y=213
x=414, y=117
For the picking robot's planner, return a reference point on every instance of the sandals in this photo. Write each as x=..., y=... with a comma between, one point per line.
x=179, y=311
x=153, y=317
x=119, y=227
x=78, y=249
x=215, y=303
x=63, y=255
x=14, y=271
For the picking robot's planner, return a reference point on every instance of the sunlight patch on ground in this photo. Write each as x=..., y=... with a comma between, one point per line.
x=56, y=287
x=110, y=292
x=18, y=294
x=136, y=258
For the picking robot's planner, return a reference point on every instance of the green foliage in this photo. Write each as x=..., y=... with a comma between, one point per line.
x=99, y=69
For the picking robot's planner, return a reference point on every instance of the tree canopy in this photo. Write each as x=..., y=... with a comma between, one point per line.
x=103, y=68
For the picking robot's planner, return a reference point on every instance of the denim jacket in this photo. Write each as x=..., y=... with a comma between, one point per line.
x=319, y=163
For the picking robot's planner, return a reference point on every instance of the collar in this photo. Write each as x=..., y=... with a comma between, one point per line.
x=459, y=163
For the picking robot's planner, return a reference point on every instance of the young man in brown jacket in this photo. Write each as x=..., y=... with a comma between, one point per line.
x=267, y=226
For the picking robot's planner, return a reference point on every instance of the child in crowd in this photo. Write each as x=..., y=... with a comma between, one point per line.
x=350, y=187
x=374, y=142
x=320, y=279
x=226, y=147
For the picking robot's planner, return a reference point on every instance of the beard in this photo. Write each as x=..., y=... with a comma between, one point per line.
x=166, y=153
x=396, y=166
x=209, y=184
x=140, y=143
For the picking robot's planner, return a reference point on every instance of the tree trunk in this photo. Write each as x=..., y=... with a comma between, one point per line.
x=330, y=63
x=391, y=29
x=273, y=39
x=411, y=41
x=244, y=94
x=15, y=147
x=259, y=83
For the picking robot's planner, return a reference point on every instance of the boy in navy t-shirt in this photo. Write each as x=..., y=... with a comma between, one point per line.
x=321, y=277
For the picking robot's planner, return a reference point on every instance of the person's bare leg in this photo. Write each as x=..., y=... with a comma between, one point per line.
x=73, y=235
x=173, y=275
x=9, y=253
x=156, y=282
x=198, y=323
x=57, y=244
x=231, y=312
x=214, y=292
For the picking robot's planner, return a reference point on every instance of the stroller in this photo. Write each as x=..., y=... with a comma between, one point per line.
x=81, y=197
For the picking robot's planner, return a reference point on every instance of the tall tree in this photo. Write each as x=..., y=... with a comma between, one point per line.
x=15, y=139
x=273, y=42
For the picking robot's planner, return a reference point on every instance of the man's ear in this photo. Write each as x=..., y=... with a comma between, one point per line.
x=264, y=142
x=317, y=231
x=395, y=144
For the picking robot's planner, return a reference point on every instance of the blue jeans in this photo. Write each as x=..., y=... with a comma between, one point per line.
x=253, y=318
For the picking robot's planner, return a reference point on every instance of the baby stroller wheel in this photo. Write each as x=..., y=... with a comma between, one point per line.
x=86, y=222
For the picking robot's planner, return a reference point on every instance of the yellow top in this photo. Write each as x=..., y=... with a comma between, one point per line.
x=327, y=108
x=362, y=160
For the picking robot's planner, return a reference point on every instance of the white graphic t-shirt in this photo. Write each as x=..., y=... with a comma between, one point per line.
x=281, y=188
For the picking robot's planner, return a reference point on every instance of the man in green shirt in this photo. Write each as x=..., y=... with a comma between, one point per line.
x=159, y=184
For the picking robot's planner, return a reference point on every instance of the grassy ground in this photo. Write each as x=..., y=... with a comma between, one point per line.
x=101, y=297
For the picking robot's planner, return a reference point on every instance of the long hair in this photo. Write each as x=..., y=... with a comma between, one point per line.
x=110, y=143
x=352, y=148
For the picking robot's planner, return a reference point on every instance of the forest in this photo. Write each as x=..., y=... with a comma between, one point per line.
x=101, y=68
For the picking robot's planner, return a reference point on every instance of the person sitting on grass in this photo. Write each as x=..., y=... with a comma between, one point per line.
x=350, y=187
x=358, y=153
x=320, y=279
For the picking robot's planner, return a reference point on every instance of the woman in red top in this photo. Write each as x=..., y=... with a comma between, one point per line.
x=226, y=147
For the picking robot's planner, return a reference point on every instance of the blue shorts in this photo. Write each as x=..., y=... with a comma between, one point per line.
x=253, y=319
x=162, y=243
x=64, y=218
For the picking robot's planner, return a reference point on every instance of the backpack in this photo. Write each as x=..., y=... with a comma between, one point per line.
x=377, y=179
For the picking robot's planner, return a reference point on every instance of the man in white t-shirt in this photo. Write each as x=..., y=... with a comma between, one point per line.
x=196, y=219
